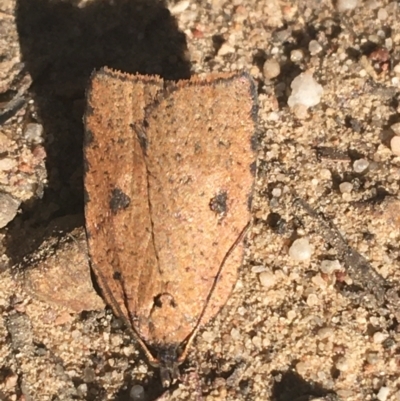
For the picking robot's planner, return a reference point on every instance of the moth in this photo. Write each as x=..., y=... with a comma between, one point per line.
x=168, y=184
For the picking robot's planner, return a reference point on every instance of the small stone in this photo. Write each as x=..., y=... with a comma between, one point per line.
x=8, y=208
x=360, y=165
x=34, y=133
x=372, y=358
x=383, y=393
x=302, y=368
x=277, y=192
x=89, y=375
x=396, y=127
x=137, y=393
x=379, y=337
x=300, y=250
x=346, y=5
x=312, y=300
x=179, y=7
x=208, y=336
x=11, y=381
x=271, y=69
x=305, y=90
x=342, y=364
x=395, y=145
x=7, y=164
x=330, y=266
x=382, y=14
x=314, y=47
x=296, y=55
x=346, y=187
x=267, y=279
x=325, y=332
x=225, y=49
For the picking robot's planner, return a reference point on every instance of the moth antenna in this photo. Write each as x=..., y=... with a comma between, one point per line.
x=192, y=335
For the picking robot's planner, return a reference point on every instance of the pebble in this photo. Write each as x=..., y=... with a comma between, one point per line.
x=325, y=332
x=396, y=127
x=34, y=133
x=379, y=337
x=8, y=208
x=225, y=49
x=137, y=393
x=7, y=164
x=360, y=165
x=277, y=192
x=346, y=5
x=329, y=266
x=267, y=279
x=271, y=69
x=314, y=47
x=346, y=187
x=305, y=91
x=395, y=145
x=383, y=393
x=300, y=250
x=372, y=358
x=312, y=300
x=382, y=14
x=296, y=55
x=342, y=364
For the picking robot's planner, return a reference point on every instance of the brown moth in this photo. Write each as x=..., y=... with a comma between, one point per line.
x=168, y=184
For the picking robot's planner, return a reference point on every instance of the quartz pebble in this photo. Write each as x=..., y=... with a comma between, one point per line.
x=346, y=5
x=396, y=127
x=379, y=337
x=137, y=393
x=300, y=250
x=296, y=55
x=395, y=145
x=305, y=91
x=271, y=69
x=314, y=47
x=329, y=266
x=34, y=133
x=267, y=279
x=8, y=208
x=383, y=393
x=360, y=165
x=345, y=187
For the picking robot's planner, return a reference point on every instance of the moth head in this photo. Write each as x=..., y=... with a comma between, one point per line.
x=168, y=363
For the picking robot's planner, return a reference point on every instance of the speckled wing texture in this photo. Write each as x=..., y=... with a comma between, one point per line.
x=168, y=183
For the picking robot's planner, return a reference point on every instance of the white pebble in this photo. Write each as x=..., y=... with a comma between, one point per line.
x=396, y=126
x=346, y=5
x=225, y=49
x=382, y=14
x=137, y=393
x=360, y=165
x=383, y=393
x=267, y=279
x=346, y=187
x=34, y=133
x=277, y=192
x=271, y=68
x=305, y=91
x=314, y=47
x=179, y=7
x=342, y=364
x=312, y=300
x=7, y=164
x=329, y=266
x=300, y=250
x=379, y=337
x=296, y=55
x=395, y=145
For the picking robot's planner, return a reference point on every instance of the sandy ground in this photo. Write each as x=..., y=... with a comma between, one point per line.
x=292, y=330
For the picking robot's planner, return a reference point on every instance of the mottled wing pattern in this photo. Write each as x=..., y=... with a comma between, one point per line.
x=168, y=182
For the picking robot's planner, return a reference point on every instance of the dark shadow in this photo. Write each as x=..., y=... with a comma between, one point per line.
x=62, y=42
x=290, y=386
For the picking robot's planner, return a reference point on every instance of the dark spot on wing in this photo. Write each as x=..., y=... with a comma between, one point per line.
x=119, y=200
x=218, y=204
